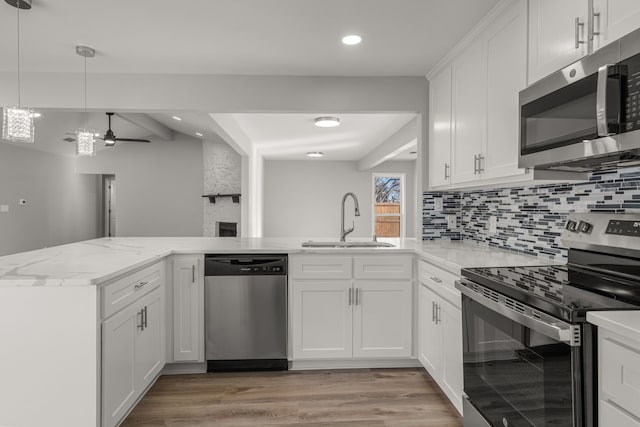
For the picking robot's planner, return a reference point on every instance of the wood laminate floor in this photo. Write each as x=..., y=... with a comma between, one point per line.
x=355, y=398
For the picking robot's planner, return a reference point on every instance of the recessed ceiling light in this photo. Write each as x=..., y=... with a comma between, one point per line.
x=315, y=154
x=176, y=118
x=36, y=115
x=97, y=134
x=352, y=39
x=199, y=134
x=327, y=122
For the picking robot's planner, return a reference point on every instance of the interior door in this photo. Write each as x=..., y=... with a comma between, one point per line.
x=109, y=206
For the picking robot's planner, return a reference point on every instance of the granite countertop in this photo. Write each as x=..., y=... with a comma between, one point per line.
x=96, y=261
x=625, y=323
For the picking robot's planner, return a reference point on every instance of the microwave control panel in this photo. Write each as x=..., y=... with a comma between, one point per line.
x=623, y=228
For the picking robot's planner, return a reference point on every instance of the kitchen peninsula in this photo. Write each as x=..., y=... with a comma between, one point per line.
x=61, y=308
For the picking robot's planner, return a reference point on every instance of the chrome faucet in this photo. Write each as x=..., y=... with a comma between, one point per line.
x=343, y=232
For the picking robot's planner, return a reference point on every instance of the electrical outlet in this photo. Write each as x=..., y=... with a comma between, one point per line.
x=4, y=208
x=438, y=204
x=493, y=224
x=451, y=222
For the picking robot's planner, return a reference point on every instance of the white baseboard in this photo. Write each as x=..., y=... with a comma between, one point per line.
x=299, y=365
x=184, y=368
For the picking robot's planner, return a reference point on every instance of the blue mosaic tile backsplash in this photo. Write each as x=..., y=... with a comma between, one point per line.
x=529, y=219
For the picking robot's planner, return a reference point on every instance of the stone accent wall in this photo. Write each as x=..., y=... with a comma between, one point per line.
x=222, y=174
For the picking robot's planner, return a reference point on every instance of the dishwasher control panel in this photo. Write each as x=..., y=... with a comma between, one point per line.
x=245, y=265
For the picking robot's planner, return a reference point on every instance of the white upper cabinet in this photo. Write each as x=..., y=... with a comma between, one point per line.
x=506, y=77
x=558, y=35
x=440, y=128
x=469, y=108
x=613, y=19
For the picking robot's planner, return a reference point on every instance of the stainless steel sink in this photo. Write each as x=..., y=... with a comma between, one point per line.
x=353, y=244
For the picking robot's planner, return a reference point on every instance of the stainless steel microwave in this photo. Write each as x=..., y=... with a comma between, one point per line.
x=586, y=116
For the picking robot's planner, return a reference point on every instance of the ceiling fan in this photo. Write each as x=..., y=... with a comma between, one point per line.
x=110, y=138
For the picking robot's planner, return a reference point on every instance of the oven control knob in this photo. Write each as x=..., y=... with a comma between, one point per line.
x=585, y=227
x=571, y=225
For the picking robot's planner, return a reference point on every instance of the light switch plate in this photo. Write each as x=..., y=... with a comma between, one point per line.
x=493, y=224
x=4, y=208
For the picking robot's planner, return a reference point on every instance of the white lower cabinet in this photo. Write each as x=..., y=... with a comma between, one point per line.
x=188, y=308
x=619, y=380
x=133, y=351
x=440, y=330
x=336, y=318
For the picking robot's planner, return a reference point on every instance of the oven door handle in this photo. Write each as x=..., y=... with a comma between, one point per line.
x=551, y=327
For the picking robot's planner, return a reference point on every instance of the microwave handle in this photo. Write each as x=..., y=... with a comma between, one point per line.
x=601, y=101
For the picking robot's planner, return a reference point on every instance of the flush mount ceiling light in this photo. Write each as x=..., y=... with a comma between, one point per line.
x=352, y=39
x=327, y=122
x=85, y=138
x=199, y=134
x=176, y=118
x=17, y=122
x=315, y=154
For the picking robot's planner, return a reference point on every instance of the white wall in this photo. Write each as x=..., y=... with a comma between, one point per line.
x=302, y=198
x=159, y=186
x=62, y=206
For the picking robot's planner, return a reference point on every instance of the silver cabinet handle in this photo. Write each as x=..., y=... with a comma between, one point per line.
x=141, y=324
x=446, y=171
x=438, y=314
x=480, y=159
x=595, y=15
x=436, y=279
x=145, y=318
x=357, y=295
x=475, y=164
x=350, y=296
x=193, y=274
x=433, y=311
x=141, y=285
x=579, y=27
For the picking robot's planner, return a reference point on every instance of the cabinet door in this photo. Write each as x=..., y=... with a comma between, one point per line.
x=188, y=312
x=382, y=319
x=617, y=18
x=321, y=322
x=452, y=374
x=440, y=129
x=469, y=111
x=118, y=364
x=430, y=334
x=506, y=42
x=552, y=35
x=150, y=353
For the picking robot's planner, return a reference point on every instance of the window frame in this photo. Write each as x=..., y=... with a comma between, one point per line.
x=402, y=215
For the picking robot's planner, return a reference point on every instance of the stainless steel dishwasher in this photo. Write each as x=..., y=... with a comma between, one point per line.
x=246, y=312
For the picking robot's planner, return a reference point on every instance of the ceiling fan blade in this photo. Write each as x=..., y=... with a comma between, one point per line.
x=132, y=140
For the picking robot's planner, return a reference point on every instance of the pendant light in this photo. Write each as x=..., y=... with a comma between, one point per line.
x=86, y=138
x=18, y=122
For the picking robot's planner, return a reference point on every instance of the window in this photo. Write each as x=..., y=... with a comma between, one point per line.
x=388, y=205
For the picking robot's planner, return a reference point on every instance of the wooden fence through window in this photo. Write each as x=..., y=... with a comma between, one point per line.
x=387, y=226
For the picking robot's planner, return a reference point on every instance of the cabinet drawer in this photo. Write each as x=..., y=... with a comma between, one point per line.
x=122, y=292
x=612, y=416
x=382, y=267
x=440, y=281
x=320, y=267
x=620, y=373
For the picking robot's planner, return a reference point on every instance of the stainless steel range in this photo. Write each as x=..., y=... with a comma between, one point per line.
x=529, y=355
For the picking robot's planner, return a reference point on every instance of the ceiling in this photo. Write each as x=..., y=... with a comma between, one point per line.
x=291, y=136
x=251, y=37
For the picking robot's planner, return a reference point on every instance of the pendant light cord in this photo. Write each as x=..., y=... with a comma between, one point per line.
x=85, y=84
x=18, y=13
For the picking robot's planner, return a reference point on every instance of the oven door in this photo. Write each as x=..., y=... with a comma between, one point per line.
x=517, y=374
